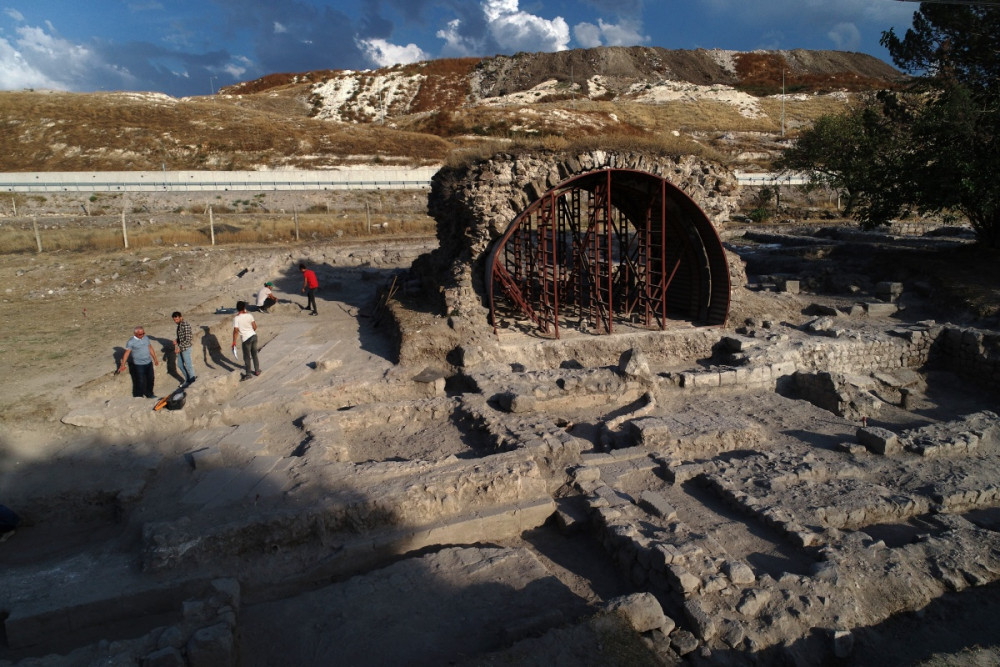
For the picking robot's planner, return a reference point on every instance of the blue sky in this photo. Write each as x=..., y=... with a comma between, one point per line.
x=192, y=47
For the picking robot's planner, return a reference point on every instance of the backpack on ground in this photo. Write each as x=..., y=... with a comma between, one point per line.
x=176, y=400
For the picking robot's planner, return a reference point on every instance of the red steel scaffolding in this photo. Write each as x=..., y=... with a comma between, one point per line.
x=606, y=247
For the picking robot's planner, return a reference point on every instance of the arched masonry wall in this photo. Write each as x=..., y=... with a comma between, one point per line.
x=474, y=204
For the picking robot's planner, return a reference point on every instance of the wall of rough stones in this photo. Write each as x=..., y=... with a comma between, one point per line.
x=971, y=353
x=475, y=204
x=754, y=363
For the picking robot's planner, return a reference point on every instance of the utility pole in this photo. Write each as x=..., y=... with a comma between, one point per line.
x=782, y=102
x=124, y=228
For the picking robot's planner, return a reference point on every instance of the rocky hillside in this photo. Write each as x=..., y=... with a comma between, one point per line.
x=607, y=73
x=735, y=106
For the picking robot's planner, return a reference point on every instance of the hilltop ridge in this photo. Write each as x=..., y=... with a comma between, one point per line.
x=733, y=105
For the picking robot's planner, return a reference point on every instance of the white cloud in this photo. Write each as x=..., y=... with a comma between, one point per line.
x=279, y=29
x=515, y=30
x=13, y=13
x=587, y=35
x=845, y=36
x=504, y=28
x=237, y=67
x=40, y=58
x=16, y=73
x=626, y=33
x=386, y=54
x=57, y=61
x=457, y=44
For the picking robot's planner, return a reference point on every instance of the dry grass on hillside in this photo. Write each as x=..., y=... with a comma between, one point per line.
x=594, y=118
x=278, y=80
x=71, y=132
x=803, y=112
x=769, y=74
x=445, y=84
x=691, y=116
x=632, y=142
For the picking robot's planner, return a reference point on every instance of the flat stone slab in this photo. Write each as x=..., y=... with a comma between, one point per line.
x=227, y=486
x=431, y=610
x=91, y=591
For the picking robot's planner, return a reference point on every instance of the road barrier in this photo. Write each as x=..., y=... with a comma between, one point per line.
x=771, y=178
x=166, y=181
x=348, y=179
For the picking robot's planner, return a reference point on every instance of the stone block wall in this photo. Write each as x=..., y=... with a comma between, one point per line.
x=897, y=348
x=971, y=353
x=767, y=366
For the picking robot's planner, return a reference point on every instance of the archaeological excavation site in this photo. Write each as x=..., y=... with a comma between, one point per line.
x=594, y=422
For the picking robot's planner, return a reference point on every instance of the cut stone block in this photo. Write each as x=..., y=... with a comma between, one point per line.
x=642, y=611
x=879, y=440
x=790, y=286
x=702, y=622
x=687, y=583
x=753, y=602
x=658, y=505
x=570, y=519
x=875, y=309
x=683, y=642
x=888, y=290
x=739, y=572
x=634, y=364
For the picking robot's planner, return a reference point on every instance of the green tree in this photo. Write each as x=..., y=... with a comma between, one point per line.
x=932, y=147
x=854, y=150
x=762, y=203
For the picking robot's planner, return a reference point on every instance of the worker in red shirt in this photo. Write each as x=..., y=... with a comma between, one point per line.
x=309, y=285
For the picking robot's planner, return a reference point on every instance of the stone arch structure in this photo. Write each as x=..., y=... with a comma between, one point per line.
x=475, y=205
x=607, y=246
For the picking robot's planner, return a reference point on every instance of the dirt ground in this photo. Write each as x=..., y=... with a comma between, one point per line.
x=64, y=320
x=66, y=317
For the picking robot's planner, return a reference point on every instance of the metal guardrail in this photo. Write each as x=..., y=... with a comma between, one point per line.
x=194, y=181
x=186, y=181
x=770, y=178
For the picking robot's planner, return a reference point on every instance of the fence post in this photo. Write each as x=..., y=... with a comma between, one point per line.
x=211, y=225
x=124, y=230
x=38, y=237
x=295, y=217
x=368, y=217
